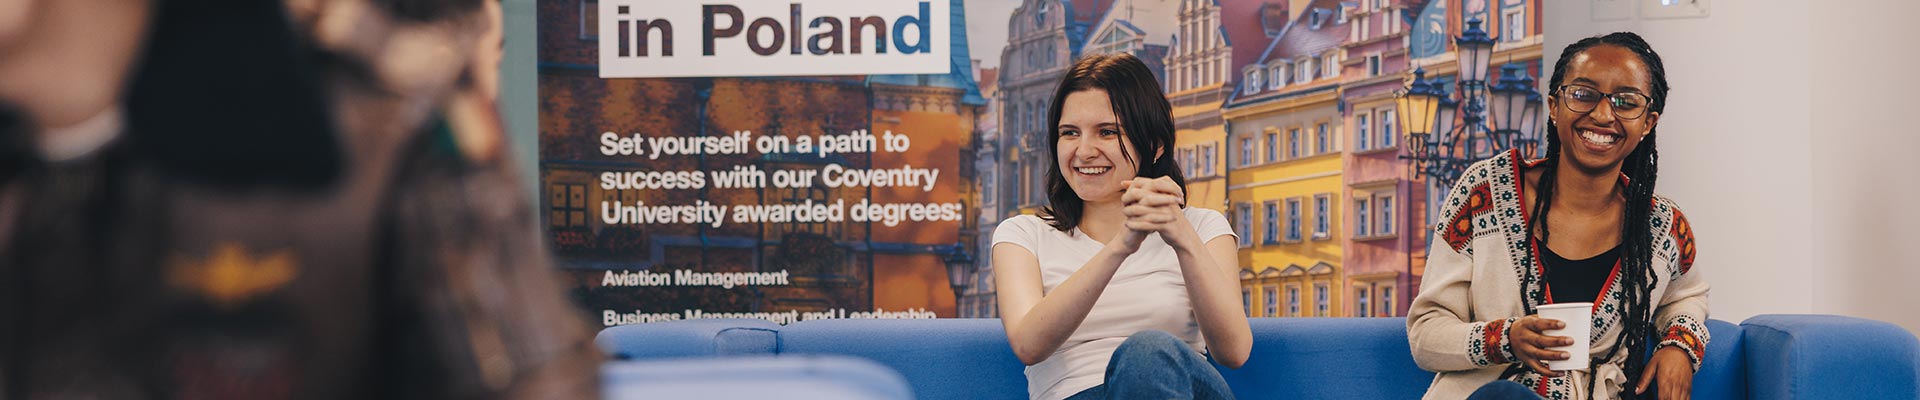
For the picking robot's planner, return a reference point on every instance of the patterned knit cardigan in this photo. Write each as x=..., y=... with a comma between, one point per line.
x=1471, y=293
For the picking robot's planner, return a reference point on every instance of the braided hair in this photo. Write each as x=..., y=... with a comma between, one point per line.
x=1638, y=276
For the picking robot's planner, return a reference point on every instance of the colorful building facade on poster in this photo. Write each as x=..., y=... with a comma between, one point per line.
x=1287, y=176
x=1384, y=241
x=1285, y=122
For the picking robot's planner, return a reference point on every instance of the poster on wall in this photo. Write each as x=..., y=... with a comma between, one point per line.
x=782, y=160
x=811, y=159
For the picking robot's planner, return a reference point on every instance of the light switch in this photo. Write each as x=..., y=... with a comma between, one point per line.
x=1668, y=9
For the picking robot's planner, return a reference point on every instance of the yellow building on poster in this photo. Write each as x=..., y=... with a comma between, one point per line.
x=1285, y=182
x=1197, y=83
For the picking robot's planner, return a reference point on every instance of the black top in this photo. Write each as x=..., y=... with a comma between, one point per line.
x=1575, y=281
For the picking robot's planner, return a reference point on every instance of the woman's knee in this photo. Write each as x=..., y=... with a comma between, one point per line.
x=1153, y=339
x=1155, y=342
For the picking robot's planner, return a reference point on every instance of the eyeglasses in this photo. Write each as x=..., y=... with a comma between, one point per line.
x=1583, y=99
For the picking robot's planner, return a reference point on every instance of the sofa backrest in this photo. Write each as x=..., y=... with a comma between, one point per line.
x=1328, y=358
x=1292, y=358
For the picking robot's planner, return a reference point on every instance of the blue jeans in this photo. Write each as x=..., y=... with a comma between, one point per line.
x=1502, y=389
x=1156, y=365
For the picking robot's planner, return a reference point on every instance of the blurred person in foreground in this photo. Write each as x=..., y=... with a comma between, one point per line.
x=215, y=199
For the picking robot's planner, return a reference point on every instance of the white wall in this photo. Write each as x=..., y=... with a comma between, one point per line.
x=1780, y=141
x=1866, y=230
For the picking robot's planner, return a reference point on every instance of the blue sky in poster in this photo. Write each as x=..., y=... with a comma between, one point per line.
x=987, y=31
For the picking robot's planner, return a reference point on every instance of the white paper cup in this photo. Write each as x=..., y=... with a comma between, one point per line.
x=1579, y=320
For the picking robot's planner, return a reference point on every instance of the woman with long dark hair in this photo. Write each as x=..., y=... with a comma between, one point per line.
x=1117, y=287
x=1580, y=225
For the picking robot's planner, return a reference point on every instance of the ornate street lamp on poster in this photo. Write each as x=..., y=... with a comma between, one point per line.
x=960, y=266
x=1444, y=135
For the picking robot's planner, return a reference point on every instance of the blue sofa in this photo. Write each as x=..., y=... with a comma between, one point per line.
x=791, y=377
x=1767, y=357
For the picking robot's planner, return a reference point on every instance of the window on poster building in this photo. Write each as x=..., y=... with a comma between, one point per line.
x=1323, y=139
x=1387, y=126
x=1253, y=80
x=1320, y=299
x=1322, y=215
x=568, y=205
x=1293, y=220
x=1246, y=151
x=1386, y=215
x=1213, y=151
x=1273, y=147
x=1362, y=140
x=1515, y=26
x=1332, y=65
x=1243, y=212
x=1360, y=214
x=1362, y=304
x=1293, y=143
x=1279, y=76
x=1303, y=71
x=1293, y=300
x=1387, y=306
x=1273, y=226
x=1272, y=300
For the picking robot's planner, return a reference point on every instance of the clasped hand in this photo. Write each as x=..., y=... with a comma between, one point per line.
x=1154, y=205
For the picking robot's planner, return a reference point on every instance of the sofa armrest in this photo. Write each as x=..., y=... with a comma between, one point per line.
x=690, y=338
x=1828, y=356
x=754, y=378
x=1723, y=374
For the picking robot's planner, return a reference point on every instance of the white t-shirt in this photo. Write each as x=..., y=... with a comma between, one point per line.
x=1148, y=292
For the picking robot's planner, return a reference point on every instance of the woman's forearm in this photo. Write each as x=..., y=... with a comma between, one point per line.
x=1046, y=326
x=1212, y=289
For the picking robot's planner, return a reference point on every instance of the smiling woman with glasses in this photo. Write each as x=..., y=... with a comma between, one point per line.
x=1580, y=226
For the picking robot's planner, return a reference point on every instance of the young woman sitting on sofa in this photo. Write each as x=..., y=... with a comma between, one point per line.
x=1117, y=288
x=1581, y=225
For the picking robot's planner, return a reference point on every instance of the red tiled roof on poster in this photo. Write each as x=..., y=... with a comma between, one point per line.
x=989, y=79
x=1241, y=21
x=1302, y=37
